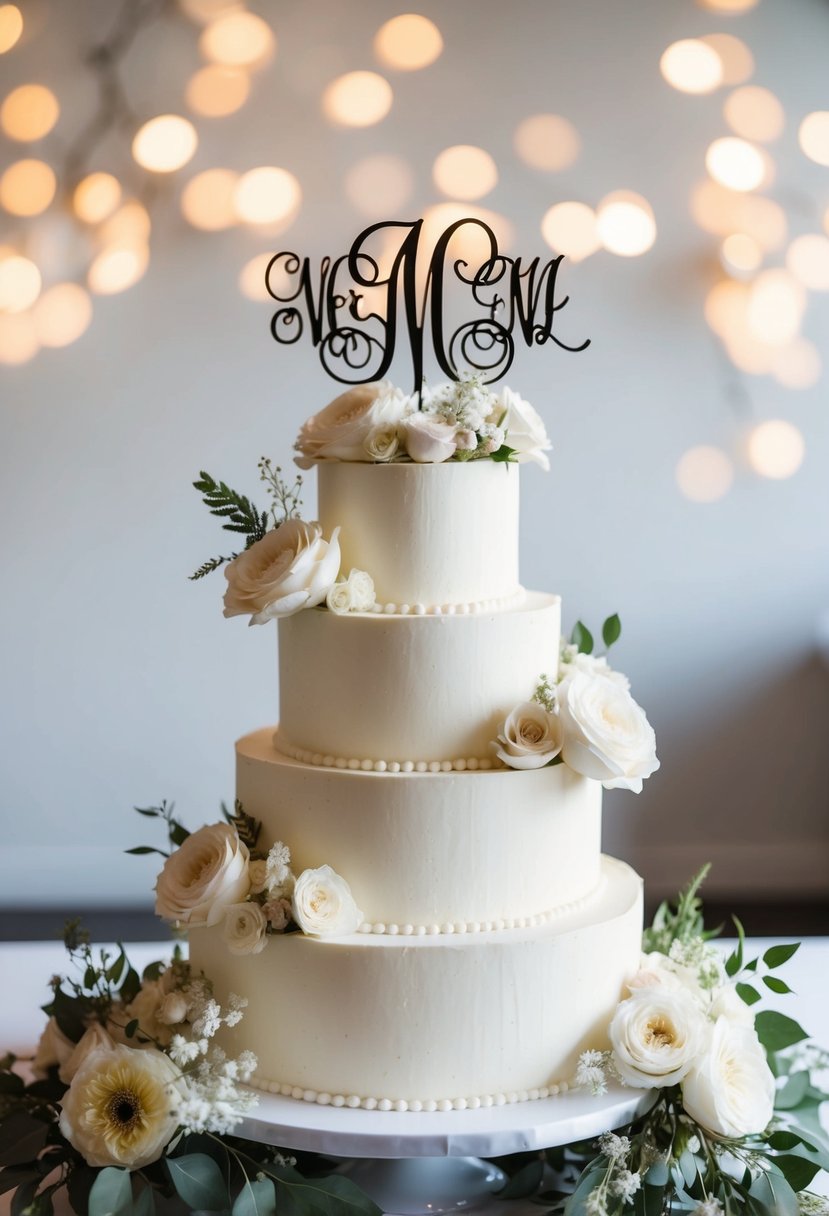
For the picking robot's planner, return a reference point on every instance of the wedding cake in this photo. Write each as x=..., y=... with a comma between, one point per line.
x=424, y=865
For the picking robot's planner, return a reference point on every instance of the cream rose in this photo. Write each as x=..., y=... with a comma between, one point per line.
x=592, y=665
x=290, y=568
x=657, y=1036
x=605, y=734
x=157, y=1010
x=120, y=1108
x=382, y=443
x=203, y=877
x=354, y=594
x=340, y=431
x=258, y=875
x=529, y=738
x=427, y=439
x=323, y=904
x=53, y=1048
x=525, y=430
x=245, y=928
x=726, y=1002
x=730, y=1091
x=94, y=1038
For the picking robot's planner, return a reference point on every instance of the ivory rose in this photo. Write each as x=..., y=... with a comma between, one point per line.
x=382, y=444
x=94, y=1038
x=525, y=430
x=427, y=439
x=354, y=594
x=340, y=431
x=203, y=877
x=657, y=1035
x=592, y=665
x=530, y=737
x=323, y=904
x=53, y=1048
x=244, y=929
x=605, y=734
x=155, y=1007
x=730, y=1090
x=120, y=1108
x=290, y=568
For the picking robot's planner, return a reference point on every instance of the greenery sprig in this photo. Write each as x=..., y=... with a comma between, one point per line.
x=583, y=640
x=177, y=833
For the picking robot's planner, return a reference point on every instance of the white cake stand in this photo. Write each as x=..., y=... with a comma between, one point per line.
x=418, y=1164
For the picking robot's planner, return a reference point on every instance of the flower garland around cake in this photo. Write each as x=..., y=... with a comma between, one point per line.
x=585, y=718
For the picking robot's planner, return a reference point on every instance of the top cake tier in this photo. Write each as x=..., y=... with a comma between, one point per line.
x=430, y=535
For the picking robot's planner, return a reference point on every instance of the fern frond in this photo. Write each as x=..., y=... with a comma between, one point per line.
x=241, y=515
x=213, y=563
x=247, y=828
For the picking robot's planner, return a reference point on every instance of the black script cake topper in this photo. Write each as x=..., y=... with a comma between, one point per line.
x=357, y=341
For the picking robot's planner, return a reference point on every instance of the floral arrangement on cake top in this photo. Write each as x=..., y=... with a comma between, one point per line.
x=458, y=420
x=585, y=718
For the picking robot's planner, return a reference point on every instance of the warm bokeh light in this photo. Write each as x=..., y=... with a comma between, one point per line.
x=165, y=144
x=27, y=187
x=728, y=6
x=96, y=197
x=741, y=255
x=464, y=172
x=725, y=306
x=704, y=474
x=754, y=113
x=207, y=201
x=625, y=223
x=735, y=163
x=205, y=11
x=379, y=185
x=215, y=91
x=775, y=307
x=691, y=66
x=238, y=39
x=813, y=136
x=797, y=365
x=129, y=225
x=62, y=314
x=808, y=259
x=571, y=228
x=116, y=268
x=547, y=141
x=721, y=212
x=736, y=59
x=267, y=195
x=29, y=112
x=11, y=26
x=19, y=283
x=357, y=99
x=252, y=278
x=18, y=340
x=408, y=42
x=776, y=449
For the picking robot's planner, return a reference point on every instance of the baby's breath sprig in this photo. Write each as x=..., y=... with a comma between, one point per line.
x=545, y=693
x=286, y=500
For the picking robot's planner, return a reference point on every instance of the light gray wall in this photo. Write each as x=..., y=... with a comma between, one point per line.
x=122, y=682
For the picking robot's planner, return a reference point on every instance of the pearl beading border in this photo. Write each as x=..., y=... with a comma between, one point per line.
x=430, y=1105
x=501, y=603
x=323, y=760
x=383, y=929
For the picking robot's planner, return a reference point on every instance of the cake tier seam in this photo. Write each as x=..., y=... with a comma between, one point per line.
x=368, y=765
x=430, y=1105
x=500, y=603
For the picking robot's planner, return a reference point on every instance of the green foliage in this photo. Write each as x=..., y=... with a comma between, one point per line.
x=776, y=1031
x=681, y=922
x=177, y=833
x=247, y=828
x=238, y=513
x=111, y=1193
x=198, y=1180
x=611, y=630
x=286, y=501
x=582, y=638
x=503, y=455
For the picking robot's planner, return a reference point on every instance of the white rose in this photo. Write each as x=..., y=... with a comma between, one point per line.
x=145, y=1007
x=339, y=432
x=525, y=429
x=94, y=1038
x=605, y=734
x=323, y=904
x=530, y=737
x=730, y=1091
x=382, y=443
x=427, y=439
x=245, y=928
x=592, y=665
x=200, y=879
x=120, y=1108
x=290, y=568
x=657, y=1036
x=53, y=1048
x=726, y=1002
x=354, y=594
x=258, y=875
x=173, y=1009
x=659, y=971
x=466, y=440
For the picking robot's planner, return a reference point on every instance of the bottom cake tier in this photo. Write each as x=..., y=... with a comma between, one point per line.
x=437, y=1022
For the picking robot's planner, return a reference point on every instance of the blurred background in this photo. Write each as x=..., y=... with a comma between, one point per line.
x=153, y=155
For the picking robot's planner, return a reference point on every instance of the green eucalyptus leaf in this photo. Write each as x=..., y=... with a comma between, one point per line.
x=611, y=630
x=145, y=1203
x=523, y=1183
x=776, y=1031
x=198, y=1180
x=130, y=1028
x=78, y=1185
x=783, y=1140
x=734, y=962
x=688, y=1165
x=658, y=1174
x=748, y=994
x=582, y=638
x=776, y=956
x=576, y=1204
x=256, y=1199
x=774, y=1193
x=111, y=1193
x=798, y=1171
x=776, y=985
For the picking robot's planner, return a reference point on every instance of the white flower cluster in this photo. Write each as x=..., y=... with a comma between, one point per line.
x=462, y=419
x=353, y=594
x=678, y=1027
x=589, y=719
x=213, y=880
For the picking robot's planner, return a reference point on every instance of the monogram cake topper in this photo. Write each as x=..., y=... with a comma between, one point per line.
x=355, y=310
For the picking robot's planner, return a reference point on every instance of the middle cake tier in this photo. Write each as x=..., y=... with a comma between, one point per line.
x=432, y=852
x=395, y=689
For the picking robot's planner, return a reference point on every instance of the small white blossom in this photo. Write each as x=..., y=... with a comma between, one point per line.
x=183, y=1051
x=710, y=1207
x=279, y=865
x=625, y=1185
x=615, y=1148
x=208, y=1020
x=590, y=1073
x=594, y=1204
x=247, y=1063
